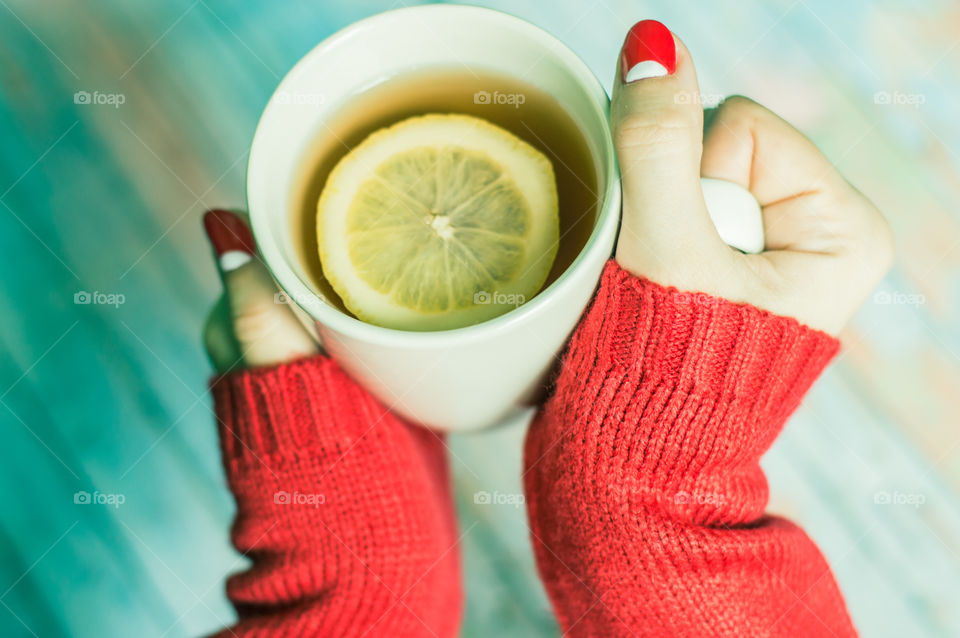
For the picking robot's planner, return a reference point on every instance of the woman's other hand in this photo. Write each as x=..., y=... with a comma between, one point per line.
x=827, y=246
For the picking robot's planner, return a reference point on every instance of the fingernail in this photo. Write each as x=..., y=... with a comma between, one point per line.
x=648, y=52
x=231, y=239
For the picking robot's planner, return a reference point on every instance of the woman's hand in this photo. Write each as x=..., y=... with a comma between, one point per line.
x=827, y=246
x=343, y=508
x=249, y=326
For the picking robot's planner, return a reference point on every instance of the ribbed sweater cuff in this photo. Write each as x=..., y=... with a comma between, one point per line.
x=266, y=413
x=685, y=391
x=344, y=508
x=704, y=343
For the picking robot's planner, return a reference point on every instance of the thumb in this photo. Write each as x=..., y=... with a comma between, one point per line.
x=263, y=325
x=657, y=124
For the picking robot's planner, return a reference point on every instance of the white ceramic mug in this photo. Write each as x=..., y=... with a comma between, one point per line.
x=456, y=379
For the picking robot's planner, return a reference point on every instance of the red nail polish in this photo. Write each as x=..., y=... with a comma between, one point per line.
x=649, y=51
x=231, y=238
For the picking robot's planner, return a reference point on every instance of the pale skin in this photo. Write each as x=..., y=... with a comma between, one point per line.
x=247, y=328
x=827, y=245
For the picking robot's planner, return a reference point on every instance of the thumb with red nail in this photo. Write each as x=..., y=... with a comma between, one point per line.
x=251, y=325
x=826, y=246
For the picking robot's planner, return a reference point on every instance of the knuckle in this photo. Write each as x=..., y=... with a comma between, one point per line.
x=738, y=103
x=666, y=127
x=739, y=107
x=255, y=321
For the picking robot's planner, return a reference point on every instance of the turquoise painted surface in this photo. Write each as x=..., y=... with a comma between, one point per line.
x=111, y=400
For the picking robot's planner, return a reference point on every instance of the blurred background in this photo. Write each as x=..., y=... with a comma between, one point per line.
x=123, y=120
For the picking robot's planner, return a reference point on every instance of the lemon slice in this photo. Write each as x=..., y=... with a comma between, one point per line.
x=438, y=222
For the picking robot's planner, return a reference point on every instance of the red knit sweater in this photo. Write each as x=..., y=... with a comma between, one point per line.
x=642, y=480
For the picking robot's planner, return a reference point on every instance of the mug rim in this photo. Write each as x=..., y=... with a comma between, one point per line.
x=329, y=317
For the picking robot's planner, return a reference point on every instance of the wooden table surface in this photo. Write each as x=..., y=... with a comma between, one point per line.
x=111, y=399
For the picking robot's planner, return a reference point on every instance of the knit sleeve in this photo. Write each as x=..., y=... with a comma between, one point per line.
x=343, y=509
x=646, y=498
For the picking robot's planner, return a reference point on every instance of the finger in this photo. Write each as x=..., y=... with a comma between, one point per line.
x=221, y=346
x=798, y=188
x=657, y=126
x=825, y=241
x=265, y=329
x=748, y=144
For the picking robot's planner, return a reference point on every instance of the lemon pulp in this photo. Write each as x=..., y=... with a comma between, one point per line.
x=438, y=222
